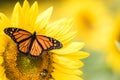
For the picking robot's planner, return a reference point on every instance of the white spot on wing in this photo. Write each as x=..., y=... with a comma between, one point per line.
x=55, y=41
x=12, y=29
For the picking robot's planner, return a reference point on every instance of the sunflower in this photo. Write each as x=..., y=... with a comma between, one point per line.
x=98, y=29
x=92, y=20
x=61, y=64
x=113, y=56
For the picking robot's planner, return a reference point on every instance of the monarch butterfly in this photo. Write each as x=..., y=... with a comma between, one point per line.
x=31, y=44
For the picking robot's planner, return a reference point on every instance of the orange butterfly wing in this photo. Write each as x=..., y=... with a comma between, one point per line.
x=36, y=49
x=32, y=44
x=24, y=46
x=18, y=35
x=48, y=43
x=21, y=37
x=43, y=43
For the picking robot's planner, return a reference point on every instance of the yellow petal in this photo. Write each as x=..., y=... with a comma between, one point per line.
x=61, y=76
x=26, y=6
x=72, y=47
x=66, y=62
x=42, y=19
x=55, y=26
x=60, y=27
x=3, y=18
x=4, y=77
x=3, y=42
x=76, y=55
x=4, y=39
x=2, y=70
x=4, y=21
x=33, y=13
x=2, y=46
x=67, y=71
x=67, y=37
x=66, y=28
x=1, y=59
x=61, y=30
x=26, y=12
x=16, y=17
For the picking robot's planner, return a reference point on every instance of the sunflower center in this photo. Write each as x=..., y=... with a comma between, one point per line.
x=22, y=67
x=28, y=64
x=87, y=22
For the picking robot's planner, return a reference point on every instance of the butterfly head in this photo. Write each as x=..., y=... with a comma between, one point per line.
x=34, y=33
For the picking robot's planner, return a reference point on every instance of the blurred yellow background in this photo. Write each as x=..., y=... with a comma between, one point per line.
x=98, y=25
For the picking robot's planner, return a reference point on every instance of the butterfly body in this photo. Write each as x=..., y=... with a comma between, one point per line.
x=31, y=44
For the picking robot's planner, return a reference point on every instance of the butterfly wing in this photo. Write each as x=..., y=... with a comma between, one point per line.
x=24, y=46
x=36, y=49
x=18, y=35
x=21, y=37
x=32, y=44
x=43, y=43
x=48, y=43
